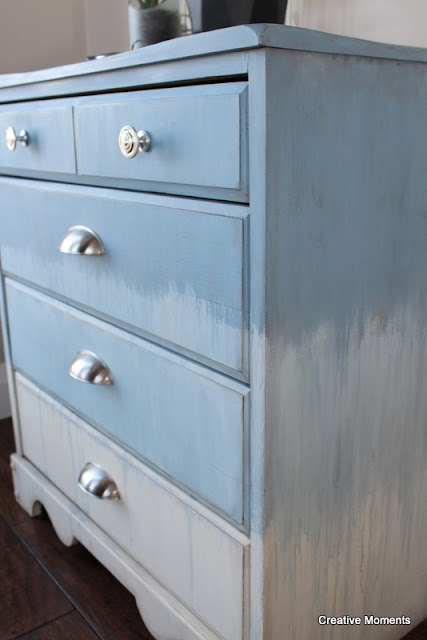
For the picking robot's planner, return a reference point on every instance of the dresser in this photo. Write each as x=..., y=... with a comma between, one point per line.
x=214, y=261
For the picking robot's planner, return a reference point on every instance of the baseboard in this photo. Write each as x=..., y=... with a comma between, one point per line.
x=4, y=393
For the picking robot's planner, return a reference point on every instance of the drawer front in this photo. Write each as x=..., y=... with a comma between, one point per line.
x=50, y=133
x=190, y=556
x=169, y=273
x=197, y=136
x=162, y=407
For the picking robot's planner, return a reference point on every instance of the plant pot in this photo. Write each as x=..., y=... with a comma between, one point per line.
x=216, y=14
x=148, y=26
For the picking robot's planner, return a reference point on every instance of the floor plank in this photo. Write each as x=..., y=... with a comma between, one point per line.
x=9, y=508
x=7, y=442
x=419, y=633
x=103, y=601
x=28, y=596
x=69, y=627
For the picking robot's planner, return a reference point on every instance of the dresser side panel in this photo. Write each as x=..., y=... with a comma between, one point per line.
x=258, y=177
x=346, y=371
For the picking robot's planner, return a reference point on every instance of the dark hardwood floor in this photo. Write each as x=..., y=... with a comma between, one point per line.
x=52, y=592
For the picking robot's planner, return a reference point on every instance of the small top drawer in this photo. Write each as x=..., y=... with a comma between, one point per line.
x=50, y=138
x=196, y=138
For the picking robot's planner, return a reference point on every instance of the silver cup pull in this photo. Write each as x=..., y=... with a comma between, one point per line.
x=87, y=367
x=12, y=138
x=95, y=481
x=81, y=240
x=131, y=141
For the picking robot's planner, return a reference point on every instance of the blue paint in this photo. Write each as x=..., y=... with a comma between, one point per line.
x=166, y=272
x=188, y=425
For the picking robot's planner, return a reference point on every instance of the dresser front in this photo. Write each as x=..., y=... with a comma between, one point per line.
x=124, y=252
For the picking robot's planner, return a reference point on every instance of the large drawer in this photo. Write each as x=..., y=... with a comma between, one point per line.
x=198, y=138
x=172, y=273
x=184, y=419
x=50, y=145
x=189, y=555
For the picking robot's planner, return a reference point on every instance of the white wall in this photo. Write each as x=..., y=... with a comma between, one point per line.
x=106, y=26
x=393, y=21
x=47, y=33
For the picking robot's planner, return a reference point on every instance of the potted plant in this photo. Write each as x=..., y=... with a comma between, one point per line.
x=215, y=14
x=152, y=21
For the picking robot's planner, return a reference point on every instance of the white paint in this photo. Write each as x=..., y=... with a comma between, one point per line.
x=166, y=617
x=106, y=26
x=194, y=559
x=35, y=35
x=48, y=33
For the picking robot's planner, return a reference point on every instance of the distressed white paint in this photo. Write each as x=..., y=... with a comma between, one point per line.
x=346, y=374
x=167, y=618
x=190, y=556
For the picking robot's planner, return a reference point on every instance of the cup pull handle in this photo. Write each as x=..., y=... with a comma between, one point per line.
x=87, y=367
x=96, y=482
x=81, y=240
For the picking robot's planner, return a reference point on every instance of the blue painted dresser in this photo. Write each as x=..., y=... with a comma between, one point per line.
x=214, y=267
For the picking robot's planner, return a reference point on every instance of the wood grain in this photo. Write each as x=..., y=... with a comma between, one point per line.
x=9, y=508
x=70, y=627
x=28, y=596
x=419, y=633
x=7, y=442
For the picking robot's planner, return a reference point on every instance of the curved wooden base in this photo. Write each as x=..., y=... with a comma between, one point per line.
x=164, y=616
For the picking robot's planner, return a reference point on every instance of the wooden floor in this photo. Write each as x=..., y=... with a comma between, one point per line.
x=52, y=592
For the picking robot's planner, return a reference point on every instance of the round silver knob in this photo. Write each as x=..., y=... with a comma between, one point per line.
x=95, y=481
x=12, y=138
x=81, y=240
x=131, y=141
x=87, y=367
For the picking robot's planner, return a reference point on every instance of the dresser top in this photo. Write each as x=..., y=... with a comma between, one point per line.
x=221, y=41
